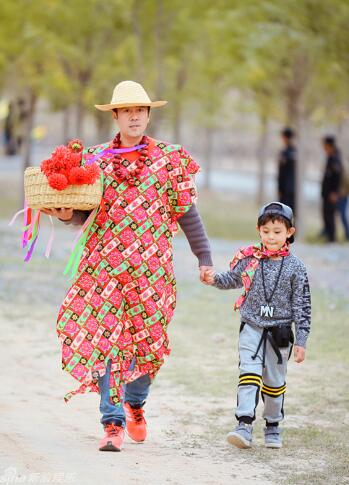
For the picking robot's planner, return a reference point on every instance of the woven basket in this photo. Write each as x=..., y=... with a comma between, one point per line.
x=39, y=195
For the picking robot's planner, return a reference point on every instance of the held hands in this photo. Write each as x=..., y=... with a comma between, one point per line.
x=299, y=354
x=63, y=214
x=207, y=275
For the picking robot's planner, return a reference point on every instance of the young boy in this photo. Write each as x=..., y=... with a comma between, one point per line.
x=276, y=293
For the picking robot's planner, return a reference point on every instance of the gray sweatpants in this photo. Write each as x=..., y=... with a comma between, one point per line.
x=270, y=380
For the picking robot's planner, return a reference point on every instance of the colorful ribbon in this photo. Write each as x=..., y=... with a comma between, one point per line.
x=27, y=220
x=31, y=230
x=111, y=151
x=50, y=241
x=79, y=245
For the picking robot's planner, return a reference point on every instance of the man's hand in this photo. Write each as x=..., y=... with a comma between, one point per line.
x=299, y=354
x=206, y=274
x=63, y=214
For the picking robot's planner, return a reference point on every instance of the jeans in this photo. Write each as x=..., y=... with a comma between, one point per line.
x=135, y=393
x=342, y=207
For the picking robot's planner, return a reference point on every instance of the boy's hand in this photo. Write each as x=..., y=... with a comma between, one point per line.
x=299, y=354
x=63, y=214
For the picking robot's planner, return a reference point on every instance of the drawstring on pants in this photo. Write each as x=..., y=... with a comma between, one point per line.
x=266, y=335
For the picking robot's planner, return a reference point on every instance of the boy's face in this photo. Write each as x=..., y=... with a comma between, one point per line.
x=274, y=234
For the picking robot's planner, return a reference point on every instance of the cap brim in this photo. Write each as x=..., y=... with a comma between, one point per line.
x=110, y=107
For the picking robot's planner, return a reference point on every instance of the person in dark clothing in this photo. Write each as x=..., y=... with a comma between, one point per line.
x=9, y=138
x=287, y=169
x=330, y=186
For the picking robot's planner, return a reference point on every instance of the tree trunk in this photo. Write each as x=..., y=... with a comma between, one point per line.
x=159, y=53
x=178, y=105
x=209, y=134
x=177, y=122
x=28, y=129
x=300, y=177
x=261, y=158
x=294, y=94
x=66, y=125
x=103, y=125
x=27, y=142
x=136, y=26
x=80, y=113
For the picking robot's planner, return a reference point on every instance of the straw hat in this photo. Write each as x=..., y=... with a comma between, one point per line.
x=129, y=93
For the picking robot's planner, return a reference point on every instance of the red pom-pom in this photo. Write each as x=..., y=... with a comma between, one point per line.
x=52, y=165
x=78, y=176
x=93, y=173
x=46, y=167
x=57, y=166
x=65, y=161
x=75, y=145
x=57, y=181
x=72, y=160
x=60, y=153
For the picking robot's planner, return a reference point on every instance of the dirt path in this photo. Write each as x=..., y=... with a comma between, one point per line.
x=44, y=440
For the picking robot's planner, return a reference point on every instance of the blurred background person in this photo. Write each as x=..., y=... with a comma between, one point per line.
x=9, y=138
x=330, y=187
x=287, y=169
x=20, y=120
x=343, y=198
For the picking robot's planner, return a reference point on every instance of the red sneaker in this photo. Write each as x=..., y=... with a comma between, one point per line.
x=113, y=439
x=136, y=425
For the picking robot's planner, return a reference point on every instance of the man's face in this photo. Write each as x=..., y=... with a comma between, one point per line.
x=328, y=149
x=132, y=121
x=285, y=140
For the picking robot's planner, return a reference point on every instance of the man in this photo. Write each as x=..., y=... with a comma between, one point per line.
x=113, y=321
x=287, y=169
x=330, y=187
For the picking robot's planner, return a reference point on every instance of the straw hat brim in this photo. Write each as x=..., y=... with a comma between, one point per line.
x=110, y=107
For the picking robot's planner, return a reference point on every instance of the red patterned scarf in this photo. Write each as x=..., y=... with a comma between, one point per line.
x=258, y=252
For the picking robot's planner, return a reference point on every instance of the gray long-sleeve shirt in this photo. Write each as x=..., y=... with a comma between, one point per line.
x=191, y=225
x=291, y=300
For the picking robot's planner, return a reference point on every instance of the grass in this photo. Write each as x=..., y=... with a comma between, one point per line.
x=203, y=368
x=204, y=337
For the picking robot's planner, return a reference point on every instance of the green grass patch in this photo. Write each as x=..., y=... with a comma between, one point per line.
x=226, y=217
x=204, y=339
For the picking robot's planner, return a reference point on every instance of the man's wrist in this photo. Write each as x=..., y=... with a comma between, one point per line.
x=205, y=259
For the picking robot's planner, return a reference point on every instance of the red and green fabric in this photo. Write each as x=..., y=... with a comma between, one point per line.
x=124, y=293
x=256, y=252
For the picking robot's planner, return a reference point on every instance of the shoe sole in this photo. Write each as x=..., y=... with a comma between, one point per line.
x=238, y=441
x=109, y=447
x=273, y=445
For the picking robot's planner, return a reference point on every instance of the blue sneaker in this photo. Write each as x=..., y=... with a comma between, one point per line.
x=272, y=437
x=241, y=436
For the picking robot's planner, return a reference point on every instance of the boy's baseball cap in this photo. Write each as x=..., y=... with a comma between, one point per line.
x=278, y=209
